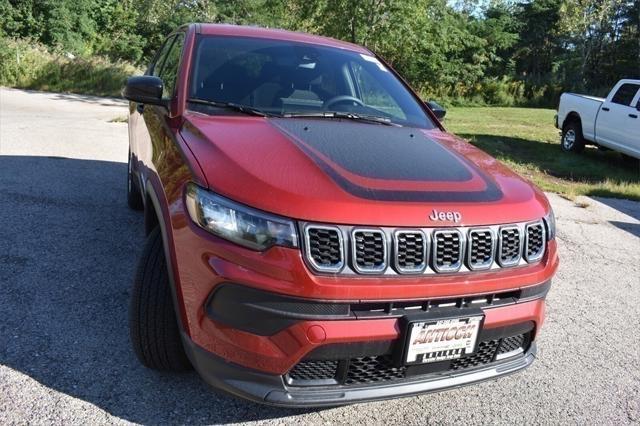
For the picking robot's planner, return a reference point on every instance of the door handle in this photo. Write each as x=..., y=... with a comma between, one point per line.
x=605, y=109
x=633, y=115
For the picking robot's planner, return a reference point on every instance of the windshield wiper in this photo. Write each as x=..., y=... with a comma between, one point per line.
x=340, y=114
x=246, y=109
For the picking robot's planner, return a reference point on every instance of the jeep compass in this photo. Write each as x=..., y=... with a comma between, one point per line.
x=315, y=237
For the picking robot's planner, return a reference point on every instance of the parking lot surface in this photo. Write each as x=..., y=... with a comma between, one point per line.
x=68, y=248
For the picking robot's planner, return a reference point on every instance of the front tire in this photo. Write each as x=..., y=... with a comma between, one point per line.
x=134, y=197
x=153, y=325
x=572, y=140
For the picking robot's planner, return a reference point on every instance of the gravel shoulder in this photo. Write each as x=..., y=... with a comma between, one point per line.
x=68, y=248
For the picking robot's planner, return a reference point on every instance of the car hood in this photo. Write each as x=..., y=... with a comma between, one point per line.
x=348, y=172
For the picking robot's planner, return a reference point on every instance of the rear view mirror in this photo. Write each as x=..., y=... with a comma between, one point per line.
x=437, y=109
x=144, y=89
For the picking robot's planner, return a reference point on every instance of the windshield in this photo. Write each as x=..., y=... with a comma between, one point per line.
x=288, y=78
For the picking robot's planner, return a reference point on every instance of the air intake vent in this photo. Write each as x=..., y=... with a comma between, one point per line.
x=509, y=253
x=535, y=242
x=324, y=248
x=411, y=252
x=481, y=249
x=314, y=370
x=369, y=250
x=447, y=251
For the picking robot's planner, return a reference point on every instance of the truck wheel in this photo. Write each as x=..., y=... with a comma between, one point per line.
x=153, y=325
x=572, y=140
x=134, y=197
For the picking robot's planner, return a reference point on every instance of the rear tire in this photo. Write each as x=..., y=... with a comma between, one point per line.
x=134, y=197
x=572, y=140
x=153, y=325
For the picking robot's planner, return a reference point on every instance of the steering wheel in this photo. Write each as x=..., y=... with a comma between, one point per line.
x=342, y=99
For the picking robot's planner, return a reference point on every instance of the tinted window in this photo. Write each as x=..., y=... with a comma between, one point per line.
x=169, y=71
x=156, y=66
x=289, y=77
x=373, y=93
x=625, y=94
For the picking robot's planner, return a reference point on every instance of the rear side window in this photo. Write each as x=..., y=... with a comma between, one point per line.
x=169, y=71
x=625, y=94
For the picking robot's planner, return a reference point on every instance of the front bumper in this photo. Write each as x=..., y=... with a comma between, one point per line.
x=270, y=364
x=272, y=389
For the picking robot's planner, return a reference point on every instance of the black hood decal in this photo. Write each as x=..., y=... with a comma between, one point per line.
x=359, y=156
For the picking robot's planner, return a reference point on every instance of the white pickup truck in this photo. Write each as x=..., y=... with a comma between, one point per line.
x=612, y=122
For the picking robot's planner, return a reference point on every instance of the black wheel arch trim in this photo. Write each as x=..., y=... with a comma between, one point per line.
x=160, y=214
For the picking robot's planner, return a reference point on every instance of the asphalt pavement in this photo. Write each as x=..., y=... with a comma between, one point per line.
x=68, y=249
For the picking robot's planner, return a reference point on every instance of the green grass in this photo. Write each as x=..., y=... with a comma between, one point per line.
x=526, y=141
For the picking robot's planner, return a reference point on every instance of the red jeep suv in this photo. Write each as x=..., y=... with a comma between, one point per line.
x=314, y=235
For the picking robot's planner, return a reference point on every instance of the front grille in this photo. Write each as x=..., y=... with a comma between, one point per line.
x=350, y=250
x=509, y=251
x=411, y=251
x=535, y=242
x=324, y=248
x=369, y=251
x=372, y=369
x=447, y=251
x=481, y=249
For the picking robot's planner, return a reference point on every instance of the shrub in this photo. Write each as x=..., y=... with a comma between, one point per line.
x=28, y=65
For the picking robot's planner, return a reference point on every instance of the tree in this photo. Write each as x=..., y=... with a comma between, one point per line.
x=539, y=45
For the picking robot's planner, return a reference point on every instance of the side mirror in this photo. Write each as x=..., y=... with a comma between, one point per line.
x=144, y=89
x=437, y=109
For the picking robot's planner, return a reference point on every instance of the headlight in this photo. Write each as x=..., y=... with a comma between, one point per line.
x=550, y=223
x=237, y=223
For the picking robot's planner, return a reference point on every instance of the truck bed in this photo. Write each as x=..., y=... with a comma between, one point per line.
x=586, y=107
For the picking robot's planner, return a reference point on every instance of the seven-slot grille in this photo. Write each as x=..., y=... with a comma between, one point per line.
x=481, y=249
x=447, y=250
x=352, y=250
x=369, y=251
x=535, y=241
x=509, y=250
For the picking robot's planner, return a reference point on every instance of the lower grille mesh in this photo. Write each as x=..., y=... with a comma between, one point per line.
x=484, y=355
x=373, y=369
x=314, y=370
x=510, y=344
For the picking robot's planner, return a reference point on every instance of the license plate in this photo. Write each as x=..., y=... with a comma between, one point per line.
x=441, y=340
